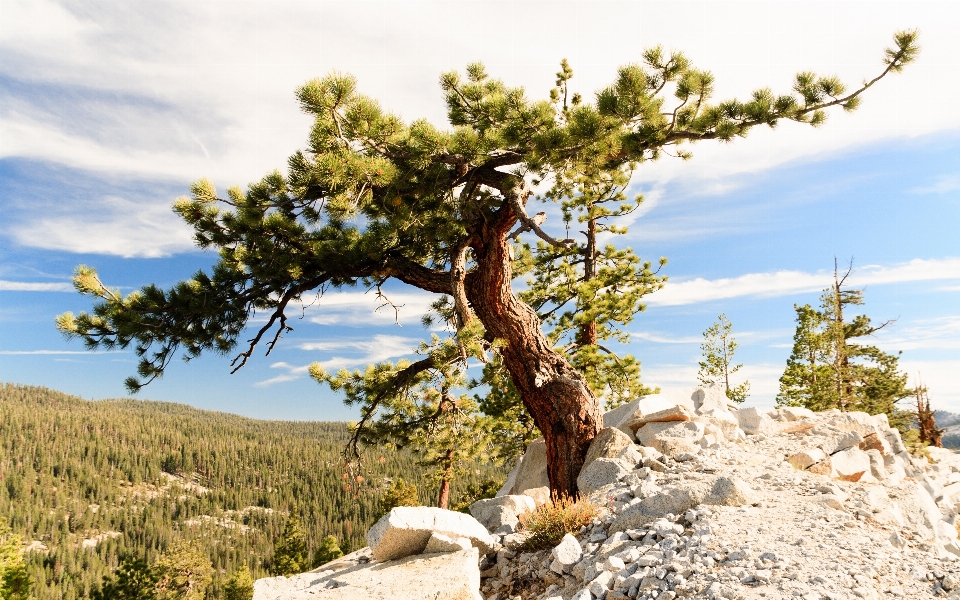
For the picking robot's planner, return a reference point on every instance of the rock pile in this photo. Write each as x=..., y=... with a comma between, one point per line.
x=696, y=500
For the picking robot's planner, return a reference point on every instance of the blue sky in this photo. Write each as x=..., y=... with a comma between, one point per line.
x=108, y=113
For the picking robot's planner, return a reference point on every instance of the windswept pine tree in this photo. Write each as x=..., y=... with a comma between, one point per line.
x=374, y=199
x=830, y=365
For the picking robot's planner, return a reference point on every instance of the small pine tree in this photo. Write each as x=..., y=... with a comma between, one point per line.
x=400, y=493
x=329, y=550
x=183, y=572
x=133, y=580
x=240, y=585
x=290, y=551
x=15, y=582
x=717, y=366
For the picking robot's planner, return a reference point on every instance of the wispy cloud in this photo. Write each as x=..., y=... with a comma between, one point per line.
x=784, y=283
x=378, y=349
x=111, y=225
x=365, y=309
x=942, y=333
x=32, y=286
x=943, y=184
x=659, y=338
x=56, y=352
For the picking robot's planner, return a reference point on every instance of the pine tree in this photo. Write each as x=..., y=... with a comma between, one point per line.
x=400, y=493
x=717, y=366
x=830, y=368
x=240, y=585
x=374, y=199
x=133, y=580
x=329, y=550
x=15, y=582
x=183, y=572
x=929, y=433
x=290, y=552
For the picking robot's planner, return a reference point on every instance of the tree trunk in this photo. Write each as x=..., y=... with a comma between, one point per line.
x=443, y=501
x=587, y=336
x=555, y=394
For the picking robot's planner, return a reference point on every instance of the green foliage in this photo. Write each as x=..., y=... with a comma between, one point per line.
x=329, y=550
x=374, y=198
x=74, y=470
x=15, y=582
x=183, y=572
x=717, y=366
x=550, y=522
x=290, y=551
x=830, y=368
x=400, y=493
x=240, y=585
x=474, y=492
x=133, y=580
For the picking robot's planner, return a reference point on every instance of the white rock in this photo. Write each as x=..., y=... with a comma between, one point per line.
x=567, y=553
x=600, y=584
x=607, y=444
x=806, y=458
x=796, y=413
x=442, y=543
x=753, y=421
x=709, y=398
x=851, y=464
x=671, y=438
x=601, y=472
x=671, y=413
x=405, y=531
x=532, y=471
x=451, y=576
x=494, y=513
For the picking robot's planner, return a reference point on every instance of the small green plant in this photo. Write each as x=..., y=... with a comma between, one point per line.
x=400, y=493
x=550, y=522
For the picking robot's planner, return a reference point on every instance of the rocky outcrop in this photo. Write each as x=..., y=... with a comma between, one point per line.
x=450, y=576
x=405, y=531
x=711, y=503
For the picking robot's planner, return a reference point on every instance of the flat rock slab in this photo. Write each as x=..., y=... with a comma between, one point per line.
x=405, y=531
x=449, y=576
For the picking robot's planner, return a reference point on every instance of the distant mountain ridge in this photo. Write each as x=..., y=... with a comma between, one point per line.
x=88, y=482
x=950, y=423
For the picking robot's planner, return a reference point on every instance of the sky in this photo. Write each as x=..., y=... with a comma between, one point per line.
x=109, y=110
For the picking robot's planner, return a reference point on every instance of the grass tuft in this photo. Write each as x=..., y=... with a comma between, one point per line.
x=549, y=522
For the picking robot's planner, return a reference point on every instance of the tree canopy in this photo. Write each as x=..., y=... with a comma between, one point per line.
x=373, y=198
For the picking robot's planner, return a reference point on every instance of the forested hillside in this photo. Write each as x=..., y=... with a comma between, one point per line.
x=86, y=483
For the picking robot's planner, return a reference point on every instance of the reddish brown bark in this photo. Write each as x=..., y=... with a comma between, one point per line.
x=554, y=393
x=443, y=500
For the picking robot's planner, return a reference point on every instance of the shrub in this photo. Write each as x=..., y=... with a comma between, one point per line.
x=549, y=522
x=400, y=493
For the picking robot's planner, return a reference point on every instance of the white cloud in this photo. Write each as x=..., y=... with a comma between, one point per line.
x=239, y=63
x=941, y=186
x=111, y=225
x=365, y=309
x=942, y=333
x=378, y=349
x=784, y=283
x=666, y=339
x=30, y=286
x=56, y=352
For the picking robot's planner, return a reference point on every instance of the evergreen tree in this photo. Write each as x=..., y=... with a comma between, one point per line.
x=717, y=366
x=830, y=368
x=329, y=550
x=446, y=432
x=929, y=433
x=290, y=553
x=133, y=580
x=400, y=493
x=240, y=585
x=374, y=199
x=183, y=572
x=15, y=582
x=806, y=379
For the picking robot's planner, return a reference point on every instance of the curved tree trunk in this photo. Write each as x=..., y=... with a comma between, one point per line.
x=554, y=393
